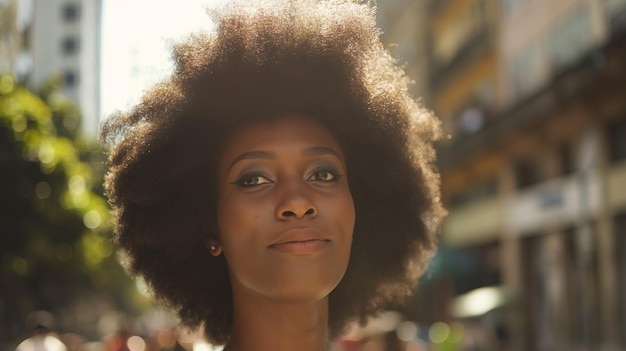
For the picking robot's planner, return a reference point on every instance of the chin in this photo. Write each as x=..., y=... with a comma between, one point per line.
x=304, y=295
x=305, y=287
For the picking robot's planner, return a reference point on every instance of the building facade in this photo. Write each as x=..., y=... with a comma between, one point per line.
x=531, y=94
x=404, y=31
x=48, y=39
x=14, y=21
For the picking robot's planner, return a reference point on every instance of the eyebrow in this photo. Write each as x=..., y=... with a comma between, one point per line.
x=260, y=154
x=319, y=150
x=271, y=155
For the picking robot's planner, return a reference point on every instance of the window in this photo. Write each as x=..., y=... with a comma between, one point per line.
x=70, y=12
x=569, y=39
x=616, y=135
x=480, y=267
x=525, y=71
x=26, y=37
x=533, y=287
x=566, y=159
x=476, y=192
x=511, y=7
x=581, y=274
x=615, y=6
x=450, y=39
x=616, y=15
x=527, y=173
x=71, y=79
x=69, y=46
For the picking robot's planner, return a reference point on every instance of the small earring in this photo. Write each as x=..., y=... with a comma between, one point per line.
x=215, y=249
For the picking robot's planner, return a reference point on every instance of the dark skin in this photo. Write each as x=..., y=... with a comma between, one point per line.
x=285, y=223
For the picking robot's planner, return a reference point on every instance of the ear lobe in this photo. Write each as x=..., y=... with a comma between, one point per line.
x=214, y=248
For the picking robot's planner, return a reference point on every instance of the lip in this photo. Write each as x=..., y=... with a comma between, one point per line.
x=300, y=241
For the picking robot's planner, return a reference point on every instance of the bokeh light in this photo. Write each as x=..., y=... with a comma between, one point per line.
x=438, y=332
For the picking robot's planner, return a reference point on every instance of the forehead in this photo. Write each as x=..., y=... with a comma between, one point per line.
x=291, y=131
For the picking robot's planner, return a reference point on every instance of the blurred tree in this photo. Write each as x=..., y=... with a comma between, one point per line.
x=55, y=247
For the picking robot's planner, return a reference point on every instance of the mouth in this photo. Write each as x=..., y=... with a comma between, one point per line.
x=300, y=241
x=301, y=247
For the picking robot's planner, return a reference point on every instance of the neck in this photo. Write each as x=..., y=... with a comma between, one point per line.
x=261, y=324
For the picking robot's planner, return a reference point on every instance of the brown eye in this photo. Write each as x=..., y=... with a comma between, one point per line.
x=250, y=180
x=323, y=175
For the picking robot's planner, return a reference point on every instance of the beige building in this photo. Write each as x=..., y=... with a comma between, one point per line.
x=13, y=23
x=41, y=39
x=531, y=93
x=65, y=40
x=404, y=30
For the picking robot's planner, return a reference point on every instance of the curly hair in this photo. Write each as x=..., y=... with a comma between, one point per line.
x=321, y=59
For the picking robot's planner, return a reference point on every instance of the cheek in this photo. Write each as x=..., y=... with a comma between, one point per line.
x=236, y=217
x=344, y=217
x=344, y=213
x=231, y=204
x=226, y=216
x=238, y=225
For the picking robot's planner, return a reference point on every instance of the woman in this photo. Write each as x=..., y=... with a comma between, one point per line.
x=279, y=185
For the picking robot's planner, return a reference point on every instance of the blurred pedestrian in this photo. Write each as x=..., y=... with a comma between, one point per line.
x=41, y=325
x=118, y=341
x=284, y=146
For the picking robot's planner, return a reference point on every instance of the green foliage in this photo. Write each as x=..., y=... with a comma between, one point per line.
x=55, y=232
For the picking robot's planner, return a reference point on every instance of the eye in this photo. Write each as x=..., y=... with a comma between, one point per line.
x=251, y=180
x=324, y=175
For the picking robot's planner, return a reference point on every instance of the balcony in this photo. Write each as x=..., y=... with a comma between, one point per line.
x=476, y=222
x=586, y=80
x=555, y=203
x=478, y=43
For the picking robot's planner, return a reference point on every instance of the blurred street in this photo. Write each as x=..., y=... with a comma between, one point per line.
x=532, y=99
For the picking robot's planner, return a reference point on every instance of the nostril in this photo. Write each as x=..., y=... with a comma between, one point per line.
x=298, y=214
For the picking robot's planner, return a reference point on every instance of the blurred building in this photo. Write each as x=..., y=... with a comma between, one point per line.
x=13, y=24
x=402, y=24
x=531, y=95
x=43, y=39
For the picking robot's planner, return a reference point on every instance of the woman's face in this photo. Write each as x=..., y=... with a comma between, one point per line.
x=285, y=213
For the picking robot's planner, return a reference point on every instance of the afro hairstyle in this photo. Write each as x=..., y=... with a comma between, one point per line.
x=264, y=59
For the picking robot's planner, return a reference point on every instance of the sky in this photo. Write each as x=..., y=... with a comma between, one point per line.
x=135, y=37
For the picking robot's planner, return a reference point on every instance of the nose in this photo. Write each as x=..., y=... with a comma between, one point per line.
x=295, y=203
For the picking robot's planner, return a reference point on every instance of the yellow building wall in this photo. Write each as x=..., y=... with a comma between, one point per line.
x=453, y=95
x=616, y=187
